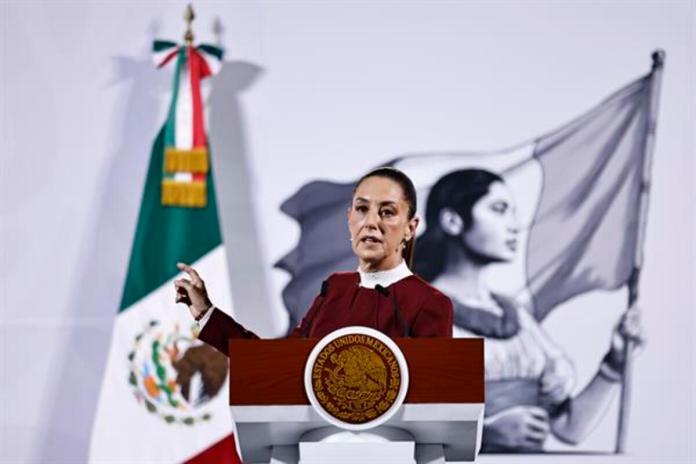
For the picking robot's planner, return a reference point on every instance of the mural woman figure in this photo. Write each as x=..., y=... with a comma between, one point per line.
x=471, y=224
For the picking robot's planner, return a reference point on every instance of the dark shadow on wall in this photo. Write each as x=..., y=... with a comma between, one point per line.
x=227, y=139
x=70, y=402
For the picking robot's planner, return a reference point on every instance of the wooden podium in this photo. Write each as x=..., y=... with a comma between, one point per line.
x=441, y=415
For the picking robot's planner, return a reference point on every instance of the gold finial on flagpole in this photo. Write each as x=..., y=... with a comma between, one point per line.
x=189, y=16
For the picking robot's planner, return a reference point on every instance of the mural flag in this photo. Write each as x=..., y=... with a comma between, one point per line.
x=583, y=235
x=577, y=190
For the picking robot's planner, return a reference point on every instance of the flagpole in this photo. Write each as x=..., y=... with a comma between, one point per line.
x=658, y=61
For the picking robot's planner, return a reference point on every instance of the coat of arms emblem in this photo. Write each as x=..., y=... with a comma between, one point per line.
x=356, y=378
x=173, y=374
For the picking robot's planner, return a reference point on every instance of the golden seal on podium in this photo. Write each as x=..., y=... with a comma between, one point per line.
x=356, y=378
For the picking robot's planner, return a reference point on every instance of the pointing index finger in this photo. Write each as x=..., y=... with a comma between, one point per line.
x=195, y=278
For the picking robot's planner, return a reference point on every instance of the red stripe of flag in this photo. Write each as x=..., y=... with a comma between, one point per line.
x=222, y=452
x=169, y=57
x=198, y=69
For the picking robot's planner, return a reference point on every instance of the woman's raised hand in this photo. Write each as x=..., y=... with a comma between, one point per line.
x=192, y=291
x=629, y=331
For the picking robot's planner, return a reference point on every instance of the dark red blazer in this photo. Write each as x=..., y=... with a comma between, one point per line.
x=410, y=307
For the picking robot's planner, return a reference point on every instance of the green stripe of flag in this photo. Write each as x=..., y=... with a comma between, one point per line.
x=167, y=235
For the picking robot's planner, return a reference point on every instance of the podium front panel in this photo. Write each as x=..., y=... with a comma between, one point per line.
x=441, y=370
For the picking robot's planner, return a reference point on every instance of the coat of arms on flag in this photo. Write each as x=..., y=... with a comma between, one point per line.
x=164, y=394
x=564, y=212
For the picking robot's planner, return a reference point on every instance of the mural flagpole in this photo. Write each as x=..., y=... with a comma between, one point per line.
x=658, y=61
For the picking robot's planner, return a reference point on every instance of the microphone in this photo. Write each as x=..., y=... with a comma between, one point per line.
x=322, y=294
x=382, y=290
x=397, y=310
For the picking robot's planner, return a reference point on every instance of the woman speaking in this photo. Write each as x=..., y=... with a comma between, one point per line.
x=383, y=294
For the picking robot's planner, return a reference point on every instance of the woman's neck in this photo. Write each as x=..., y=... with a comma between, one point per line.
x=465, y=280
x=384, y=265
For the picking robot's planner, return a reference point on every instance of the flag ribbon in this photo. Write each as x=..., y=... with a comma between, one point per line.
x=186, y=163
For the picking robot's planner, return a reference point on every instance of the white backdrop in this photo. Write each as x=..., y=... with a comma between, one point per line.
x=329, y=90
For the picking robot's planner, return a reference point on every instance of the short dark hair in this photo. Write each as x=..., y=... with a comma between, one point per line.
x=400, y=178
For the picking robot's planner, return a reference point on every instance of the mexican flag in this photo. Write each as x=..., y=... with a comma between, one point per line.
x=164, y=397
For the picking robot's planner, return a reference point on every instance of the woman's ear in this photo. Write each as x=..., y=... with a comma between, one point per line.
x=412, y=226
x=451, y=222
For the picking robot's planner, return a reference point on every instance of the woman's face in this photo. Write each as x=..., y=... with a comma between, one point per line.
x=494, y=231
x=378, y=224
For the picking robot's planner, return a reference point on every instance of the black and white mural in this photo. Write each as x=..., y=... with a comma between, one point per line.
x=551, y=151
x=510, y=236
